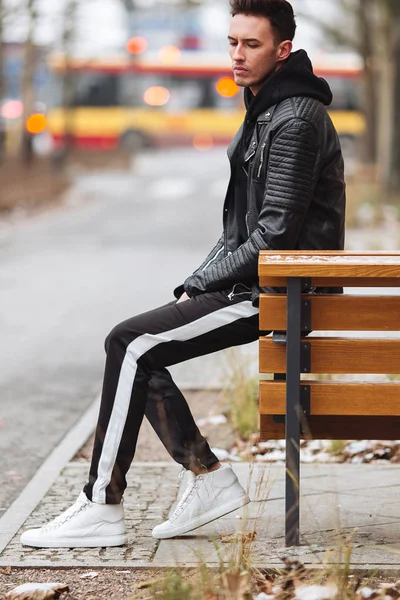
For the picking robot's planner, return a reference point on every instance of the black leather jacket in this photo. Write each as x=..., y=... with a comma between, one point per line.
x=295, y=196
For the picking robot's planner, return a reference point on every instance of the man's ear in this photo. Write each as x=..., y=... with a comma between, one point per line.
x=284, y=50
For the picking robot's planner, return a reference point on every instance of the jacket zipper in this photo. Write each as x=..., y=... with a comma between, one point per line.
x=261, y=159
x=250, y=156
x=213, y=258
x=247, y=223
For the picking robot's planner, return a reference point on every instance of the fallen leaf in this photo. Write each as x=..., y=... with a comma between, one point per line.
x=37, y=591
x=244, y=537
x=264, y=583
x=390, y=589
x=91, y=575
x=6, y=570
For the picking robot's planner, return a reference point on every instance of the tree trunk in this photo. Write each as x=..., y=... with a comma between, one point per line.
x=27, y=82
x=394, y=159
x=383, y=57
x=2, y=81
x=369, y=81
x=68, y=78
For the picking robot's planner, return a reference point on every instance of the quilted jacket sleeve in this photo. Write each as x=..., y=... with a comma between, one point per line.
x=291, y=175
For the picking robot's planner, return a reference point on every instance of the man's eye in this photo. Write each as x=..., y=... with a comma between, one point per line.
x=232, y=44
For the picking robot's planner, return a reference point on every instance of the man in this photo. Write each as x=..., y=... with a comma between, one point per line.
x=286, y=191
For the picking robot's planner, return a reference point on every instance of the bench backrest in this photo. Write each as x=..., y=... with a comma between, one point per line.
x=337, y=409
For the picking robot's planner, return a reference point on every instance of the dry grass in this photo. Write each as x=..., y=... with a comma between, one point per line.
x=336, y=447
x=241, y=394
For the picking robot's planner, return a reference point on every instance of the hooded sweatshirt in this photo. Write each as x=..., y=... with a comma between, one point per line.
x=295, y=78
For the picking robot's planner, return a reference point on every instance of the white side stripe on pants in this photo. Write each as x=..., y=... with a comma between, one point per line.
x=136, y=349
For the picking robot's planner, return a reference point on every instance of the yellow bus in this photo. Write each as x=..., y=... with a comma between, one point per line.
x=154, y=100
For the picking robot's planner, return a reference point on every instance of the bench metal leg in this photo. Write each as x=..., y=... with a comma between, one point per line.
x=293, y=369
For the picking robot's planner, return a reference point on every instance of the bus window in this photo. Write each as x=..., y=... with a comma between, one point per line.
x=185, y=93
x=345, y=93
x=95, y=89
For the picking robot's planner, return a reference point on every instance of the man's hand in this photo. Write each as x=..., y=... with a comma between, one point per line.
x=183, y=298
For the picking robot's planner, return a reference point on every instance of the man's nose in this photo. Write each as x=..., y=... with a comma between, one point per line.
x=238, y=53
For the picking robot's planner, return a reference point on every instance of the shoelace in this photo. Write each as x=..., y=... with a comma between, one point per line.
x=187, y=496
x=73, y=510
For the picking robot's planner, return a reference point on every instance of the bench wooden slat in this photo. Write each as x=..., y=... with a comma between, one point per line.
x=317, y=264
x=332, y=282
x=373, y=253
x=336, y=355
x=336, y=398
x=336, y=312
x=337, y=428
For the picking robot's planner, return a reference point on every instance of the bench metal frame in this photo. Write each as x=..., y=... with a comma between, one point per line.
x=297, y=397
x=293, y=407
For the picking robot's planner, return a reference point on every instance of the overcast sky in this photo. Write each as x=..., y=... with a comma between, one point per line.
x=102, y=24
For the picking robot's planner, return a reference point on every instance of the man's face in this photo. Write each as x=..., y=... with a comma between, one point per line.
x=253, y=50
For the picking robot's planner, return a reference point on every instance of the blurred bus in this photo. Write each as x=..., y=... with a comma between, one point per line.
x=163, y=100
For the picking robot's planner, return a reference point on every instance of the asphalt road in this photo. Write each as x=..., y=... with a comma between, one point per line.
x=118, y=247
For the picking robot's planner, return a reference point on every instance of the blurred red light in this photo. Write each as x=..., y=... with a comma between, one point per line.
x=12, y=109
x=137, y=45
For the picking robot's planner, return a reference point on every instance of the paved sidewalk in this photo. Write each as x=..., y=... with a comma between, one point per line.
x=338, y=501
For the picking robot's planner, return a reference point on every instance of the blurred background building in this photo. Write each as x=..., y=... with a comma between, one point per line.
x=110, y=74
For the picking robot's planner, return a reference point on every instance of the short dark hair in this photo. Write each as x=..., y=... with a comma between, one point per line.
x=279, y=13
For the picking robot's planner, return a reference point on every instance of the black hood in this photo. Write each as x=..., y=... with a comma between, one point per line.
x=294, y=78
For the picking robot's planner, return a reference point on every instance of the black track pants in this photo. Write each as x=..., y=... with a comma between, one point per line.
x=136, y=383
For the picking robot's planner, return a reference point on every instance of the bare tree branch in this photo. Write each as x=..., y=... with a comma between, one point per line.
x=335, y=32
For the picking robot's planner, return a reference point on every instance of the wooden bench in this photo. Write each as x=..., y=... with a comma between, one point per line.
x=292, y=406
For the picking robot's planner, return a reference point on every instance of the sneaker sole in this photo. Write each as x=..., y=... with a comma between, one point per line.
x=90, y=542
x=208, y=517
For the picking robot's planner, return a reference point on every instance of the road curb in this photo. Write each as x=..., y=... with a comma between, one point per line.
x=37, y=488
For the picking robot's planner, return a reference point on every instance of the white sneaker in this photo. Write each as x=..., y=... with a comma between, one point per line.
x=206, y=498
x=84, y=525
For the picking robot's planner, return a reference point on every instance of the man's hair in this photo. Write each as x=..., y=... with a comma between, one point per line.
x=278, y=12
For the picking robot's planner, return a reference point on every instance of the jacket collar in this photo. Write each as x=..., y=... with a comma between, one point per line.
x=264, y=118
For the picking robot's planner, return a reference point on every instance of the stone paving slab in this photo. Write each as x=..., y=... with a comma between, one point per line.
x=338, y=502
x=152, y=489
